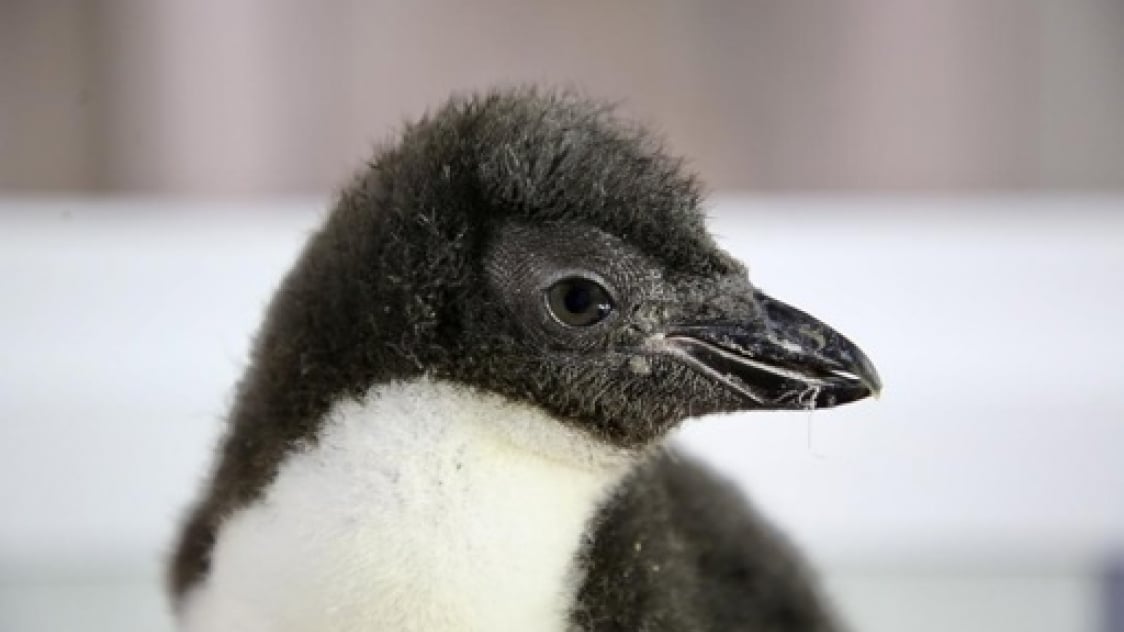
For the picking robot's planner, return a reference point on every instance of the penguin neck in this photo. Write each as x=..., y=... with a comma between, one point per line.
x=426, y=504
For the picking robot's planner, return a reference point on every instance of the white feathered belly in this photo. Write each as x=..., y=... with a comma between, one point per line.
x=423, y=507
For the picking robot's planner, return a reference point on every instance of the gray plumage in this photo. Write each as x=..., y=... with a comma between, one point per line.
x=449, y=256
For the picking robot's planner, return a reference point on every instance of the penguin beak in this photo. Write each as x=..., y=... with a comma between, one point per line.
x=782, y=360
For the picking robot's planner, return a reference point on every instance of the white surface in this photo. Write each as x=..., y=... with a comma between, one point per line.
x=994, y=601
x=995, y=323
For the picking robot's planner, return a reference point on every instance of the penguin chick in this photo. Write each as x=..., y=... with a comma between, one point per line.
x=455, y=412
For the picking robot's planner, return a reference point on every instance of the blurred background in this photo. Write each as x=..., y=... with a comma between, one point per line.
x=261, y=98
x=942, y=180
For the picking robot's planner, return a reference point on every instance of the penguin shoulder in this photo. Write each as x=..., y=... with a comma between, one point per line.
x=697, y=556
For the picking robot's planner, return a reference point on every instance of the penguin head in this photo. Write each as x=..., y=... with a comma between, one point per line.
x=532, y=244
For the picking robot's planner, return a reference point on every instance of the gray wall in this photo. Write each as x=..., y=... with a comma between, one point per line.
x=220, y=97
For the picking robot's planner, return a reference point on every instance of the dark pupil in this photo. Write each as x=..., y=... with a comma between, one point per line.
x=578, y=298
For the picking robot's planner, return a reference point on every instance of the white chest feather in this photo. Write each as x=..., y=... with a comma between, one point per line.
x=423, y=507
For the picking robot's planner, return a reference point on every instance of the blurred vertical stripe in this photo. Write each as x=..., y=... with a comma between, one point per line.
x=1114, y=596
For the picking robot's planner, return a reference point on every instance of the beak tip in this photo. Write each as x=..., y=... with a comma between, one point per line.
x=869, y=376
x=873, y=385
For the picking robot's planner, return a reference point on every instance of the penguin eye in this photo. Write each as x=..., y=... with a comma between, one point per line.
x=578, y=302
